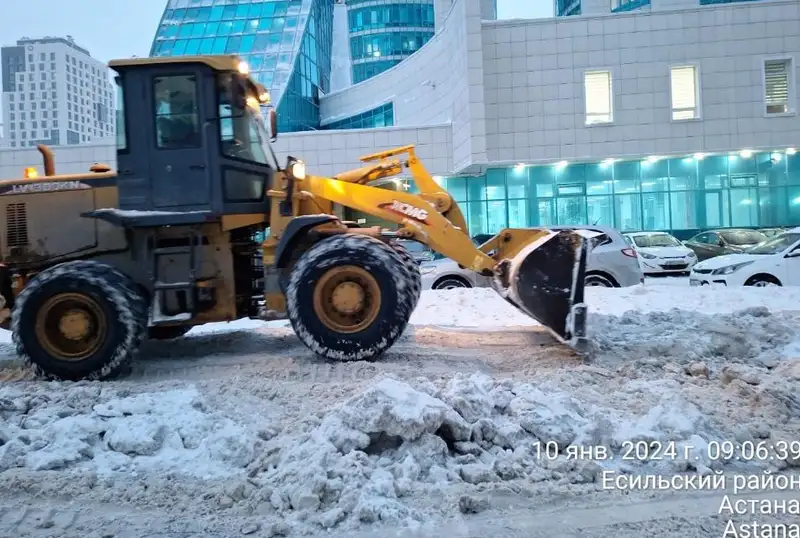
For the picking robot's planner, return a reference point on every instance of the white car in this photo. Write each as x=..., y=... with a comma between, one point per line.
x=661, y=253
x=774, y=262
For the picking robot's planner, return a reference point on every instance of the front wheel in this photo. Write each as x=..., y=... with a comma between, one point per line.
x=762, y=281
x=79, y=320
x=349, y=297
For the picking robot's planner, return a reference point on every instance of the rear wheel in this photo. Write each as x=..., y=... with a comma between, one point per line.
x=349, y=297
x=79, y=320
x=598, y=281
x=167, y=332
x=451, y=282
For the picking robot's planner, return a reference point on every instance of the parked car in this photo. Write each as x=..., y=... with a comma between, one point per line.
x=712, y=243
x=772, y=232
x=774, y=262
x=612, y=262
x=441, y=273
x=661, y=253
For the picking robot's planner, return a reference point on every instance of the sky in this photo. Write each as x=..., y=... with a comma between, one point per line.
x=125, y=28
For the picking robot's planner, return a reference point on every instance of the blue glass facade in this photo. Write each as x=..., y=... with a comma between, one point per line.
x=384, y=32
x=287, y=44
x=676, y=194
x=382, y=116
x=566, y=8
x=620, y=6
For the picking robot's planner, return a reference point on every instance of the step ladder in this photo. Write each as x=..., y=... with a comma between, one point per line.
x=189, y=286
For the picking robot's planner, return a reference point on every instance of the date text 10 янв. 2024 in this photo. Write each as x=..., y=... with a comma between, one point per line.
x=673, y=450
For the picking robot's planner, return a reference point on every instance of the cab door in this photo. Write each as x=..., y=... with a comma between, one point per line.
x=179, y=162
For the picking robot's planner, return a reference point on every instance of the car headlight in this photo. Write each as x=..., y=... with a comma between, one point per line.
x=425, y=269
x=647, y=256
x=691, y=255
x=298, y=169
x=730, y=268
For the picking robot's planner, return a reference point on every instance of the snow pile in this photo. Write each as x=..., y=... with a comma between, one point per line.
x=483, y=307
x=87, y=427
x=372, y=457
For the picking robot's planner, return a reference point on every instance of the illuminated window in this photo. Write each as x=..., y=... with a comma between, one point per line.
x=598, y=92
x=684, y=92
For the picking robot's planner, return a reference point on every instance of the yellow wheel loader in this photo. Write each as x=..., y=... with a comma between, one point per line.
x=200, y=223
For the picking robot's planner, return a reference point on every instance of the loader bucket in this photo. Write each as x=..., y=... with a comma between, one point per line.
x=545, y=280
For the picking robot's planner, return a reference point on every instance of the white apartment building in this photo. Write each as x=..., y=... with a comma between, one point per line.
x=55, y=93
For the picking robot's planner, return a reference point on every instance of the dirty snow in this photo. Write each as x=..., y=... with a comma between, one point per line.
x=451, y=426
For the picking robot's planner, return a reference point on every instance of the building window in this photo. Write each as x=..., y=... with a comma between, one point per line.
x=684, y=92
x=599, y=107
x=777, y=88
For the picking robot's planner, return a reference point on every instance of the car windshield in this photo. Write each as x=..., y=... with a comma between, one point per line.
x=655, y=240
x=743, y=237
x=775, y=245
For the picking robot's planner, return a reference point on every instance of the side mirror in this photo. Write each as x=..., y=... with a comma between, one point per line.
x=272, y=121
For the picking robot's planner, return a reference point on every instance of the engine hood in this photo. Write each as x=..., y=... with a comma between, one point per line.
x=728, y=259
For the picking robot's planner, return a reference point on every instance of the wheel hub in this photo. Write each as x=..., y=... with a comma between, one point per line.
x=75, y=324
x=71, y=326
x=347, y=299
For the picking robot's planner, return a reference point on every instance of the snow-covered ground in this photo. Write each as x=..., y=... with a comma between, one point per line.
x=237, y=429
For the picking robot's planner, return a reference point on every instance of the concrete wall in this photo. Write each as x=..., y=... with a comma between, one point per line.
x=534, y=85
x=69, y=159
x=330, y=152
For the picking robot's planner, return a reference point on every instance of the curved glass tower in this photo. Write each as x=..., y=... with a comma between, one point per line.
x=287, y=44
x=384, y=32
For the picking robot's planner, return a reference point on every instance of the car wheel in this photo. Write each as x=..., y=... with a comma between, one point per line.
x=762, y=281
x=450, y=282
x=598, y=281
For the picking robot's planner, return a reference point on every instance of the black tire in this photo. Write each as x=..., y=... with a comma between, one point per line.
x=391, y=277
x=451, y=282
x=167, y=332
x=413, y=269
x=598, y=281
x=119, y=304
x=761, y=281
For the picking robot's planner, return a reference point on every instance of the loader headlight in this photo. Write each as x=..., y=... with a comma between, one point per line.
x=297, y=169
x=730, y=268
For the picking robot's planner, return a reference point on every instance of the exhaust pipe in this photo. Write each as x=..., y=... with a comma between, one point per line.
x=49, y=160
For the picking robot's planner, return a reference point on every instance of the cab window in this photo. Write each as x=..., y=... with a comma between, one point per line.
x=122, y=133
x=176, y=112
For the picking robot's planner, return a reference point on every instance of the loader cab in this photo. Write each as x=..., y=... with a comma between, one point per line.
x=191, y=136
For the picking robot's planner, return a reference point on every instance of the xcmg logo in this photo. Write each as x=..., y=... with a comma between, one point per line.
x=407, y=210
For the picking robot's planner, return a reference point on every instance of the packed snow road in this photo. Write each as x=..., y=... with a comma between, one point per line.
x=463, y=429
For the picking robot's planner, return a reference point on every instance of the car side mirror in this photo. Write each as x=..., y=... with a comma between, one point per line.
x=721, y=243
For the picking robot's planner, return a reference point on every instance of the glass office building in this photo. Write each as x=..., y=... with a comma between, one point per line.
x=382, y=33
x=677, y=194
x=287, y=44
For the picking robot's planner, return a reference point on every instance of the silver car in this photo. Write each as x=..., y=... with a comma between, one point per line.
x=612, y=262
x=441, y=273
